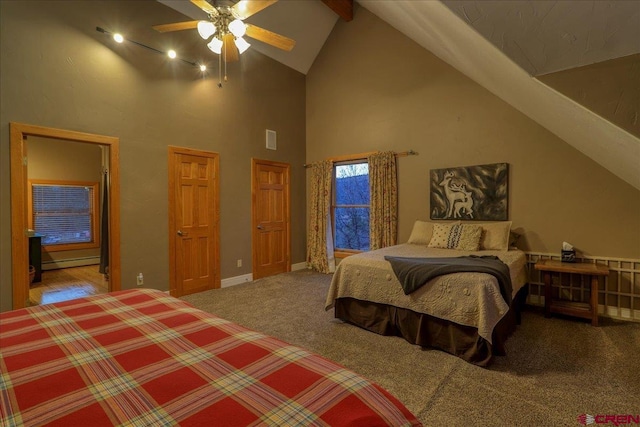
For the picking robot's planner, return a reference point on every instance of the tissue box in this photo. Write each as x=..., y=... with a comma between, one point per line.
x=569, y=256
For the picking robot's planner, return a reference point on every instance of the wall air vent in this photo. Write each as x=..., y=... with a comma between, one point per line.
x=271, y=139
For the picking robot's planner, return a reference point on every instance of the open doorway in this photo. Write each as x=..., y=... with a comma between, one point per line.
x=87, y=171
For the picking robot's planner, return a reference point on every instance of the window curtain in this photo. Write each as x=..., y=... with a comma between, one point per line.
x=383, y=213
x=320, y=236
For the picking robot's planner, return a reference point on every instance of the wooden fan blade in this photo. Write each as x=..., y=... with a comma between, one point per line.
x=245, y=8
x=178, y=26
x=281, y=42
x=206, y=6
x=229, y=49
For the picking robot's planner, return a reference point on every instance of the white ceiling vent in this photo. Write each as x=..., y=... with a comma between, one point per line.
x=271, y=139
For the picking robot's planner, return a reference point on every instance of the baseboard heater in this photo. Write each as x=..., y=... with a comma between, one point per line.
x=74, y=262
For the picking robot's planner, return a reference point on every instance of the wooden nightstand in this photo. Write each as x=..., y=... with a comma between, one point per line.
x=584, y=310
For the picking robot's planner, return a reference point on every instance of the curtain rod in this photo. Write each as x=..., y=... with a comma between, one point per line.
x=362, y=156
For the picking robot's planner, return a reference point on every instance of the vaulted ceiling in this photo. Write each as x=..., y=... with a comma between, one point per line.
x=543, y=37
x=587, y=50
x=573, y=66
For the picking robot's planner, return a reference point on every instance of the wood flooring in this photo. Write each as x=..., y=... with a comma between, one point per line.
x=68, y=283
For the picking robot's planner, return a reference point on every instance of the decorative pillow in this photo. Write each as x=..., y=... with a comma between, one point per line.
x=456, y=236
x=495, y=236
x=422, y=232
x=440, y=237
x=468, y=237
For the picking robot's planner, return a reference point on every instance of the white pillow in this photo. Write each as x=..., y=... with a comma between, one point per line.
x=422, y=232
x=495, y=236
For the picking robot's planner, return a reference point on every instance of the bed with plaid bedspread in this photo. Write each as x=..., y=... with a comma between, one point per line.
x=143, y=358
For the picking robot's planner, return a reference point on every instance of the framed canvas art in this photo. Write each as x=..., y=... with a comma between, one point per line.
x=471, y=192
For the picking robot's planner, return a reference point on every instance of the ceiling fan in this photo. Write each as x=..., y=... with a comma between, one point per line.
x=226, y=28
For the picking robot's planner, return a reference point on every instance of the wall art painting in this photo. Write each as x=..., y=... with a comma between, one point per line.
x=470, y=193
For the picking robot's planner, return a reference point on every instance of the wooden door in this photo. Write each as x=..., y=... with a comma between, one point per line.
x=271, y=218
x=193, y=221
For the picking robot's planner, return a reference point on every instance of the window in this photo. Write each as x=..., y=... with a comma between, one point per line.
x=351, y=206
x=65, y=213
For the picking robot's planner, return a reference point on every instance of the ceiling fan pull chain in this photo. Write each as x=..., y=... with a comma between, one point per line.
x=220, y=71
x=225, y=63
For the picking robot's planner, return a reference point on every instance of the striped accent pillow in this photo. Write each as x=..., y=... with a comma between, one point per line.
x=469, y=237
x=463, y=237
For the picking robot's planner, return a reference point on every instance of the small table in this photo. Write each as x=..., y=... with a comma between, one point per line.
x=584, y=310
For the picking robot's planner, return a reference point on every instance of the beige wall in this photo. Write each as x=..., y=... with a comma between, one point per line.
x=58, y=71
x=610, y=89
x=54, y=159
x=371, y=88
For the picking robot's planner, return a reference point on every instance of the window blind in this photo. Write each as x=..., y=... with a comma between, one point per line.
x=63, y=214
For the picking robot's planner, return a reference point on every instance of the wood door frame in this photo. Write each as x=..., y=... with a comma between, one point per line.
x=254, y=219
x=19, y=199
x=173, y=151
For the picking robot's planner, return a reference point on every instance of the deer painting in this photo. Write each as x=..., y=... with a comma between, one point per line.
x=479, y=192
x=465, y=206
x=453, y=192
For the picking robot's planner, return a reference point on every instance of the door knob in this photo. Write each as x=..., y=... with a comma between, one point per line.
x=181, y=233
x=260, y=227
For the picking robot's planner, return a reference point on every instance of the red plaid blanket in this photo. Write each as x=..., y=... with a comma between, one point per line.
x=143, y=358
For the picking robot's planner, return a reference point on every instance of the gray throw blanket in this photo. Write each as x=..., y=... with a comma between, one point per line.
x=412, y=273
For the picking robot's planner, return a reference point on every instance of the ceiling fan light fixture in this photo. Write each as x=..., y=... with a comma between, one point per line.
x=206, y=29
x=215, y=45
x=118, y=37
x=241, y=44
x=237, y=28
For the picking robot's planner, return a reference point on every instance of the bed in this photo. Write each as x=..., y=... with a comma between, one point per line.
x=142, y=357
x=464, y=314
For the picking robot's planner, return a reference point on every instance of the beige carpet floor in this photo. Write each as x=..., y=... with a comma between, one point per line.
x=555, y=369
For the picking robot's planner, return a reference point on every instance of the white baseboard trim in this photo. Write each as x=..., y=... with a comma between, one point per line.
x=619, y=313
x=66, y=263
x=231, y=281
x=606, y=310
x=299, y=266
x=236, y=280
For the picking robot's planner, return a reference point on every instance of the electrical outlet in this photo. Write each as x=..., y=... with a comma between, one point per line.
x=239, y=263
x=140, y=279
